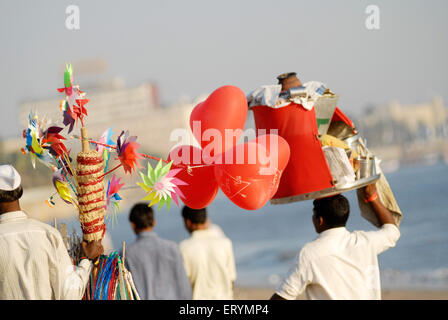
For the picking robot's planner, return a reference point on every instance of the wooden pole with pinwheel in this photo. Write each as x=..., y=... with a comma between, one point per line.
x=84, y=186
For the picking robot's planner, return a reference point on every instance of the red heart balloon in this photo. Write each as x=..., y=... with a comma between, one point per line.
x=225, y=108
x=277, y=149
x=202, y=186
x=252, y=181
x=278, y=152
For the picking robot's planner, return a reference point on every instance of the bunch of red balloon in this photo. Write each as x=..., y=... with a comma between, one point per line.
x=248, y=181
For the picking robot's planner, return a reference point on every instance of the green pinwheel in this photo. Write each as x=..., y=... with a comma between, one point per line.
x=161, y=185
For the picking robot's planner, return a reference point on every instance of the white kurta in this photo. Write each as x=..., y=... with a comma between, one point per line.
x=34, y=262
x=210, y=264
x=340, y=265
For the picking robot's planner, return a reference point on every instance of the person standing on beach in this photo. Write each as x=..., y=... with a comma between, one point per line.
x=208, y=257
x=34, y=262
x=155, y=264
x=339, y=264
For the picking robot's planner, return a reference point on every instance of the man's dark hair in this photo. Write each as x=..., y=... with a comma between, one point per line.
x=194, y=215
x=142, y=216
x=334, y=210
x=10, y=196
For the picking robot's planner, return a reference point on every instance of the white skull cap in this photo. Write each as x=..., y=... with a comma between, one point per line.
x=9, y=178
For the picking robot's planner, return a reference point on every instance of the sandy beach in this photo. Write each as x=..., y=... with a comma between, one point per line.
x=265, y=293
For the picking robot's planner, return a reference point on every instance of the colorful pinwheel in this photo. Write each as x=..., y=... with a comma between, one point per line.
x=69, y=119
x=72, y=92
x=79, y=111
x=52, y=140
x=62, y=186
x=34, y=139
x=106, y=139
x=161, y=185
x=73, y=105
x=68, y=80
x=113, y=187
x=127, y=151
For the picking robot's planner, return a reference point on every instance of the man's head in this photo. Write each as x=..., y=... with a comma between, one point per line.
x=289, y=80
x=10, y=189
x=331, y=212
x=141, y=218
x=194, y=219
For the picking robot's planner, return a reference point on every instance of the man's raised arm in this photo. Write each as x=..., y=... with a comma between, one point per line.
x=382, y=213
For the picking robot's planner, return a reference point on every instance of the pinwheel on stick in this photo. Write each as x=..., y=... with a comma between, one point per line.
x=101, y=147
x=112, y=196
x=84, y=186
x=161, y=185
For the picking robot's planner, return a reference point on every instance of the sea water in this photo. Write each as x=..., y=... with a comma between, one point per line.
x=266, y=241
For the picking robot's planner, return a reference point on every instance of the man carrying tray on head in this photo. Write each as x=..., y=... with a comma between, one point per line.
x=339, y=264
x=34, y=262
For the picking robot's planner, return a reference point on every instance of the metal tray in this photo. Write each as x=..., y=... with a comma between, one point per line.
x=330, y=191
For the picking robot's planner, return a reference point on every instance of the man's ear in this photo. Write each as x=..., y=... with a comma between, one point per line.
x=133, y=225
x=321, y=221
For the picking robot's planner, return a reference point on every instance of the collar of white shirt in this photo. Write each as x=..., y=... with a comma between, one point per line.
x=202, y=233
x=333, y=232
x=12, y=216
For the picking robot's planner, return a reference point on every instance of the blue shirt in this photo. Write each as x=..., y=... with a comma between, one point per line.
x=157, y=268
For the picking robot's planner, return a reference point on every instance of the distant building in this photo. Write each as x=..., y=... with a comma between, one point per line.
x=409, y=133
x=399, y=123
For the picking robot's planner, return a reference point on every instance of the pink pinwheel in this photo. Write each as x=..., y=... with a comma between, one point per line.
x=113, y=187
x=106, y=139
x=177, y=182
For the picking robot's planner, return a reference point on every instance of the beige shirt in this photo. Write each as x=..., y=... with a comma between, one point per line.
x=34, y=262
x=340, y=265
x=210, y=264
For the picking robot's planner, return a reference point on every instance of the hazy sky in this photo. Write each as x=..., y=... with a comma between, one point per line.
x=193, y=47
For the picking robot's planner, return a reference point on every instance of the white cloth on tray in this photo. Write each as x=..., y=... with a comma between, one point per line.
x=269, y=95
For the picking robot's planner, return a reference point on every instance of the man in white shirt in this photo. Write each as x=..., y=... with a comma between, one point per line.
x=34, y=262
x=339, y=264
x=208, y=258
